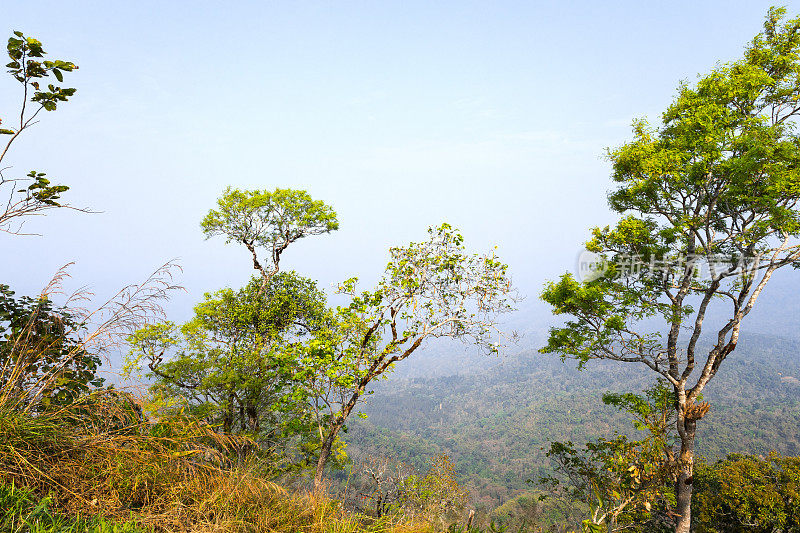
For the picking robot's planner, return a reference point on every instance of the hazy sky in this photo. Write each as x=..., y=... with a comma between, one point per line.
x=490, y=115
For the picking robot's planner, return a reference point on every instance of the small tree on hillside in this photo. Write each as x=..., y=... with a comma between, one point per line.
x=716, y=186
x=270, y=220
x=622, y=480
x=429, y=290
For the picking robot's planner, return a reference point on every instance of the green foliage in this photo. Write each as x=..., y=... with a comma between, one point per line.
x=271, y=220
x=493, y=423
x=717, y=183
x=623, y=480
x=492, y=528
x=28, y=67
x=22, y=512
x=41, y=190
x=527, y=509
x=432, y=289
x=437, y=494
x=234, y=364
x=43, y=359
x=238, y=362
x=749, y=494
x=709, y=212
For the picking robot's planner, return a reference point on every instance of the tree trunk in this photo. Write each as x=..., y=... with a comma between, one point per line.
x=324, y=455
x=336, y=426
x=253, y=422
x=685, y=481
x=227, y=418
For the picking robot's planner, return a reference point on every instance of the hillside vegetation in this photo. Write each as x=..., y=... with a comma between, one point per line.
x=496, y=425
x=646, y=407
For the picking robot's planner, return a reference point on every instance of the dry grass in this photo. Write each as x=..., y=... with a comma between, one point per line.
x=175, y=475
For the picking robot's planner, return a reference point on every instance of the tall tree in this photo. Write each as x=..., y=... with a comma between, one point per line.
x=233, y=363
x=429, y=290
x=709, y=213
x=270, y=220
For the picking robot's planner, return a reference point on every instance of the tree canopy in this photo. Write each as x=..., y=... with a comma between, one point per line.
x=431, y=289
x=233, y=365
x=270, y=220
x=708, y=205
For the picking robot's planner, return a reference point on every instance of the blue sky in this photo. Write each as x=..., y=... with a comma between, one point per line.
x=493, y=116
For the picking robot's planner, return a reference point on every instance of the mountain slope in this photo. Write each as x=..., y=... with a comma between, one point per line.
x=495, y=423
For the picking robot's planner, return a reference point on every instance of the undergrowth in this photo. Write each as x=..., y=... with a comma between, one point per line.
x=98, y=458
x=21, y=511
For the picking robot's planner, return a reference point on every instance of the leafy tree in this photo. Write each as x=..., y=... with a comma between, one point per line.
x=271, y=220
x=28, y=67
x=232, y=364
x=622, y=480
x=429, y=290
x=43, y=358
x=523, y=513
x=749, y=494
x=715, y=187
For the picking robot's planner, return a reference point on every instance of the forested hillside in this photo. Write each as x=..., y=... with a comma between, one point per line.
x=494, y=425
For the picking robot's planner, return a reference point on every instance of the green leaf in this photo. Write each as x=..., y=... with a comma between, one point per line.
x=58, y=75
x=6, y=132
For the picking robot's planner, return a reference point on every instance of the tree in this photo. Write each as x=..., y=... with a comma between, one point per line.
x=620, y=479
x=381, y=481
x=43, y=358
x=28, y=67
x=391, y=486
x=436, y=494
x=429, y=290
x=271, y=220
x=232, y=364
x=709, y=213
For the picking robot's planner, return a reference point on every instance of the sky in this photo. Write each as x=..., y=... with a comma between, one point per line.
x=492, y=116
